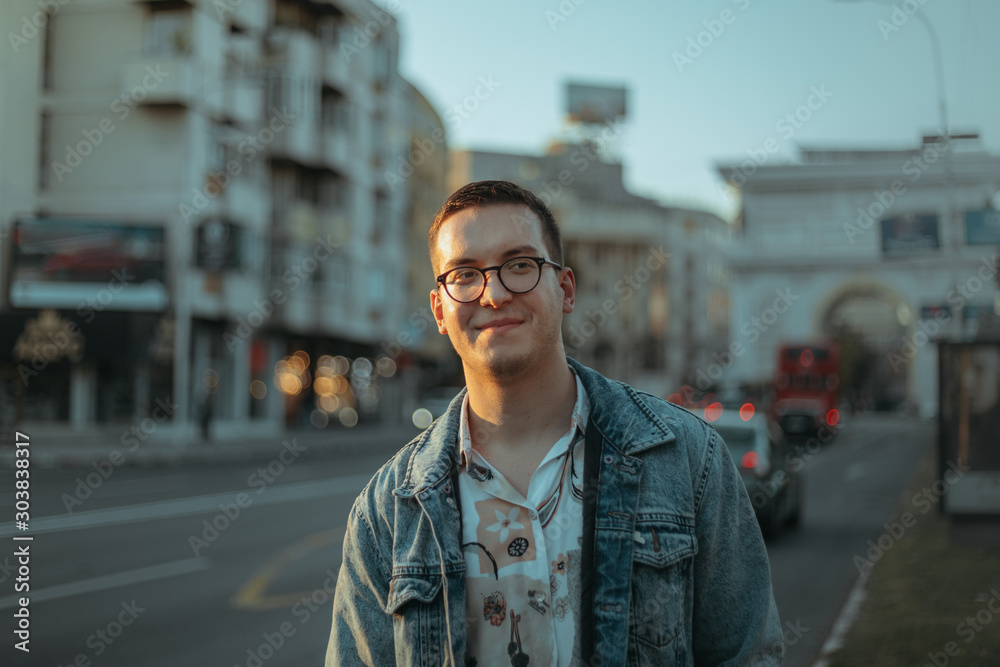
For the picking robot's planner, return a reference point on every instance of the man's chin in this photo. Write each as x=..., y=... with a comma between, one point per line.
x=506, y=363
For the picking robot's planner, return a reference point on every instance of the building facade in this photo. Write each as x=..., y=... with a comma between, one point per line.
x=199, y=203
x=882, y=250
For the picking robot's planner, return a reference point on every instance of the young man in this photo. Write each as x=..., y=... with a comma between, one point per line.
x=551, y=516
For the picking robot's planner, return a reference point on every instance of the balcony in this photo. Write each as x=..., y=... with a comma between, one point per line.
x=165, y=80
x=337, y=151
x=236, y=99
x=336, y=70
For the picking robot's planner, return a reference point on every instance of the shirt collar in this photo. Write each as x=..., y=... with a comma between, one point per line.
x=578, y=420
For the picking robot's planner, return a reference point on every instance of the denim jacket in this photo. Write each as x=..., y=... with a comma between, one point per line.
x=670, y=503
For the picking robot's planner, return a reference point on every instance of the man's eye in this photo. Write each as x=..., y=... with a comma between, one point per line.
x=520, y=265
x=463, y=276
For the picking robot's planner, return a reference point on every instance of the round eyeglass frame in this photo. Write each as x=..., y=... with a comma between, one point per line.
x=541, y=261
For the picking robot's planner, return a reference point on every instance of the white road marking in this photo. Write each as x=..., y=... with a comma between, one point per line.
x=168, y=509
x=108, y=581
x=844, y=621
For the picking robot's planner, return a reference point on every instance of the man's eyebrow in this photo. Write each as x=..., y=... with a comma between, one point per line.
x=528, y=250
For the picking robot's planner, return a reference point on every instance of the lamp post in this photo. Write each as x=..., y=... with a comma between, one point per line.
x=938, y=66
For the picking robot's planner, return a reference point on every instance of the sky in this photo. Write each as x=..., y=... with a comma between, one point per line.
x=869, y=67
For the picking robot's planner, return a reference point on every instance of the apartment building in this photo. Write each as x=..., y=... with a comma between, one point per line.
x=199, y=202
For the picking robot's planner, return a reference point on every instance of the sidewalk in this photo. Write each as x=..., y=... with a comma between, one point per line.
x=54, y=447
x=927, y=600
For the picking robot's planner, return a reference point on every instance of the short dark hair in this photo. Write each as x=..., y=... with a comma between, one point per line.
x=498, y=193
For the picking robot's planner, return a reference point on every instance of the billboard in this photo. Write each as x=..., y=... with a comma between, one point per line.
x=982, y=227
x=594, y=104
x=970, y=426
x=905, y=234
x=68, y=263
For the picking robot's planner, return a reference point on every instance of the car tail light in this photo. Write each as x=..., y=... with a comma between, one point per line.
x=832, y=417
x=753, y=461
x=713, y=412
x=746, y=411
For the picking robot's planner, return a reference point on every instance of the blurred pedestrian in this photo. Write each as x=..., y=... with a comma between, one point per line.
x=552, y=516
x=205, y=418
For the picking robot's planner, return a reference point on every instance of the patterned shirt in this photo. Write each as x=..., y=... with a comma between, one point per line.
x=522, y=555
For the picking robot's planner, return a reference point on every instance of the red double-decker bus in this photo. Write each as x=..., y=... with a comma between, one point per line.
x=806, y=386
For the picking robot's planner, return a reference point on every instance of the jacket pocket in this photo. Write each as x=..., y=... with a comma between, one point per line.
x=403, y=589
x=662, y=559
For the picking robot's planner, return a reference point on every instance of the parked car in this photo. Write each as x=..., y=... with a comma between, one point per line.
x=801, y=417
x=757, y=447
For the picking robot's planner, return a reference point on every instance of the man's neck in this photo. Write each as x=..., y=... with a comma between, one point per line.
x=510, y=415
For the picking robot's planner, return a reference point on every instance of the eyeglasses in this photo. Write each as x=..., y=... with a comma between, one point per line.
x=518, y=275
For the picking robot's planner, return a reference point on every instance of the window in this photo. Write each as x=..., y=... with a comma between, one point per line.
x=168, y=32
x=337, y=112
x=381, y=225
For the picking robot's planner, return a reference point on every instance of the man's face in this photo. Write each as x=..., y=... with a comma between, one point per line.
x=501, y=334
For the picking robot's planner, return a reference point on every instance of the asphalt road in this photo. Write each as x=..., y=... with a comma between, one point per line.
x=852, y=486
x=173, y=566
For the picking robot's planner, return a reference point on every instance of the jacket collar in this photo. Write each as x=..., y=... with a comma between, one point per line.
x=620, y=414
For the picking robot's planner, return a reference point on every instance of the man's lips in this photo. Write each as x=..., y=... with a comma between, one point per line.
x=499, y=326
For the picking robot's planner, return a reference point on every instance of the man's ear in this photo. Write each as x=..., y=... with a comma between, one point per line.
x=438, y=309
x=568, y=285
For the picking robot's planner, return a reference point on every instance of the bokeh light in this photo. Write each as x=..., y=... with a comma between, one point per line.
x=422, y=418
x=348, y=417
x=258, y=389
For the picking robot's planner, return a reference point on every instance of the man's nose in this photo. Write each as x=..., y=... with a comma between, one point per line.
x=494, y=293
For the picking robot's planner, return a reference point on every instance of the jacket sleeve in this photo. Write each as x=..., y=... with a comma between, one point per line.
x=362, y=630
x=735, y=618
